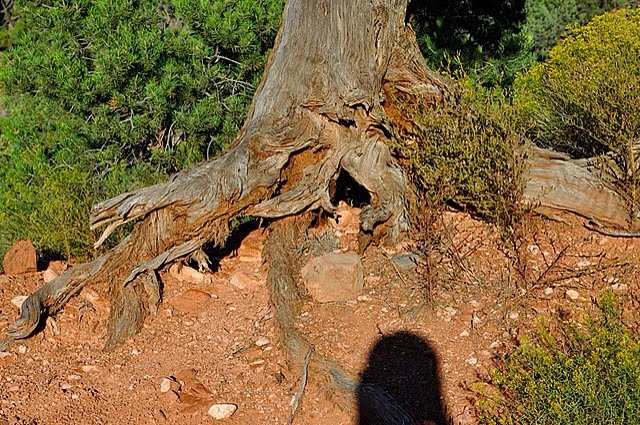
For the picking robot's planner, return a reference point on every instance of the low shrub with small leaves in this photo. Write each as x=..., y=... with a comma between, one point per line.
x=462, y=151
x=581, y=374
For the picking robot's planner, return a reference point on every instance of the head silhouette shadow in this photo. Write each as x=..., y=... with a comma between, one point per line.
x=401, y=384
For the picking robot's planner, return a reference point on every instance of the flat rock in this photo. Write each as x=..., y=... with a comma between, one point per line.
x=191, y=301
x=189, y=275
x=221, y=411
x=334, y=277
x=21, y=258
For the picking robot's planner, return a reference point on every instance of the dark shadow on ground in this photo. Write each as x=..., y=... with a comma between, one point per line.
x=401, y=384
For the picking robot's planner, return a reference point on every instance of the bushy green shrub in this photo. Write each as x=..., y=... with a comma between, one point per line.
x=584, y=99
x=590, y=374
x=547, y=20
x=102, y=97
x=462, y=151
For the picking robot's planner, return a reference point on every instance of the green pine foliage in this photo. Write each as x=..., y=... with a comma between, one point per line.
x=582, y=374
x=103, y=97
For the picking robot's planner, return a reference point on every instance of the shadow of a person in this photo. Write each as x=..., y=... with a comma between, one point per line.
x=401, y=384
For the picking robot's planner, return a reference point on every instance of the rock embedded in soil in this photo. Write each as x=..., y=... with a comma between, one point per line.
x=20, y=259
x=334, y=277
x=191, y=301
x=572, y=294
x=188, y=274
x=49, y=275
x=221, y=411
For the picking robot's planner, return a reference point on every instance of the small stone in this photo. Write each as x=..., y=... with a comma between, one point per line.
x=165, y=385
x=221, y=411
x=472, y=361
x=75, y=396
x=49, y=275
x=65, y=386
x=191, y=301
x=514, y=315
x=572, y=294
x=19, y=300
x=495, y=344
x=257, y=363
x=406, y=262
x=334, y=277
x=242, y=281
x=74, y=377
x=88, y=368
x=21, y=258
x=464, y=334
x=13, y=388
x=172, y=397
x=548, y=291
x=22, y=349
x=189, y=275
x=135, y=352
x=619, y=287
x=262, y=341
x=583, y=264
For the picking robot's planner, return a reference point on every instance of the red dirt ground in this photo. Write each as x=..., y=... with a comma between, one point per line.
x=465, y=303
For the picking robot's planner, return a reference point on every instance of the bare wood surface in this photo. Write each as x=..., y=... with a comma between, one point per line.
x=557, y=182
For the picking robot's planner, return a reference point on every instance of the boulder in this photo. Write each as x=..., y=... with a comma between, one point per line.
x=21, y=258
x=334, y=277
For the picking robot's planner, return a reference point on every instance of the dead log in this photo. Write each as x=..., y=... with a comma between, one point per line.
x=556, y=182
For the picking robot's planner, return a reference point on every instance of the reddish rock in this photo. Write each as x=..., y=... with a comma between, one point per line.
x=190, y=301
x=251, y=247
x=334, y=277
x=21, y=258
x=188, y=274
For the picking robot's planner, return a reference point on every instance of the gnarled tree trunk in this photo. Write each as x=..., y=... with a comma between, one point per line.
x=318, y=111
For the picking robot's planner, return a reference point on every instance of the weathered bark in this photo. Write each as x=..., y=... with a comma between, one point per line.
x=558, y=183
x=319, y=110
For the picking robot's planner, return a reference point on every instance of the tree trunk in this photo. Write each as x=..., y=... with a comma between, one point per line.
x=318, y=111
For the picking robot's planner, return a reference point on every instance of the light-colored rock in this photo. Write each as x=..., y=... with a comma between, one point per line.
x=514, y=315
x=21, y=258
x=262, y=341
x=243, y=281
x=165, y=385
x=334, y=277
x=221, y=411
x=89, y=295
x=572, y=294
x=191, y=301
x=88, y=368
x=19, y=300
x=49, y=275
x=548, y=291
x=189, y=275
x=472, y=361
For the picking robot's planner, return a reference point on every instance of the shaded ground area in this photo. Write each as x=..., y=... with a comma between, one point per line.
x=213, y=340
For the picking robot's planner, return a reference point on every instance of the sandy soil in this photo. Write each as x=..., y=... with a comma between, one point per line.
x=214, y=341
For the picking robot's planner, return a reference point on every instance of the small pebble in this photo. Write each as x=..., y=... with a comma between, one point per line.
x=165, y=385
x=262, y=341
x=548, y=291
x=464, y=334
x=472, y=361
x=572, y=294
x=221, y=411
